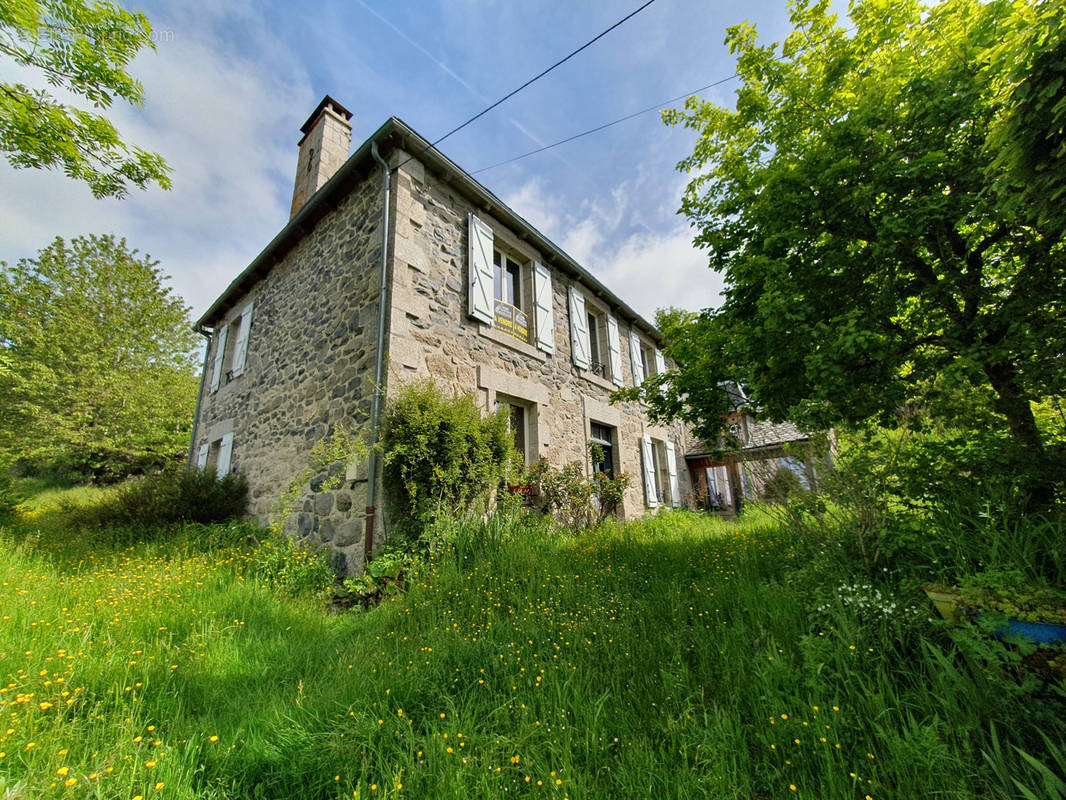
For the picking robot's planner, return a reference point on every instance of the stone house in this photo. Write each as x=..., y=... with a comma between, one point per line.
x=744, y=462
x=471, y=295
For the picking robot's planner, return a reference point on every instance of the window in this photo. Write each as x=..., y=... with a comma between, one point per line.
x=510, y=312
x=644, y=359
x=597, y=321
x=519, y=420
x=602, y=437
x=217, y=454
x=231, y=349
x=661, y=485
x=508, y=292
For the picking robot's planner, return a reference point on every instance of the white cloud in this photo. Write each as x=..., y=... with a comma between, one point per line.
x=645, y=256
x=227, y=124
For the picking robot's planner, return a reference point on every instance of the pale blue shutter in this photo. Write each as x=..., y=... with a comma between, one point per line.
x=225, y=453
x=660, y=362
x=579, y=329
x=650, y=495
x=481, y=301
x=635, y=359
x=544, y=314
x=220, y=354
x=671, y=467
x=614, y=350
x=240, y=352
x=201, y=456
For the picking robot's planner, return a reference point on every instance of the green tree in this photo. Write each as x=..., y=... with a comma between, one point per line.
x=82, y=48
x=96, y=365
x=859, y=200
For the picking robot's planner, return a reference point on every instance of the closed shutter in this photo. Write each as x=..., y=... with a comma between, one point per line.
x=201, y=456
x=671, y=467
x=480, y=263
x=542, y=301
x=579, y=329
x=614, y=350
x=225, y=453
x=635, y=359
x=240, y=352
x=651, y=498
x=220, y=354
x=660, y=362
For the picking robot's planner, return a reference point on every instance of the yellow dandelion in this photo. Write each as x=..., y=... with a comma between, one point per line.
x=62, y=770
x=212, y=738
x=159, y=786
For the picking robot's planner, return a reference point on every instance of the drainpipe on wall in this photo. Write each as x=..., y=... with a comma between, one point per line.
x=379, y=362
x=199, y=397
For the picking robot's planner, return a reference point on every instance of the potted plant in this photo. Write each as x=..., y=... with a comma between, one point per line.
x=1012, y=604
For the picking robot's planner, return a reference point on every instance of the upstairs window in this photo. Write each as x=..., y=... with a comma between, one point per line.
x=231, y=349
x=509, y=293
x=510, y=312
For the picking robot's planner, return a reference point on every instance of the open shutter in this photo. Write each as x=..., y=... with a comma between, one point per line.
x=579, y=329
x=651, y=498
x=220, y=354
x=614, y=350
x=225, y=452
x=240, y=351
x=201, y=456
x=660, y=362
x=480, y=264
x=542, y=301
x=635, y=359
x=671, y=467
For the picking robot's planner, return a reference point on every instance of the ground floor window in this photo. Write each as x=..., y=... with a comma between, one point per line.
x=217, y=454
x=661, y=485
x=602, y=437
x=519, y=421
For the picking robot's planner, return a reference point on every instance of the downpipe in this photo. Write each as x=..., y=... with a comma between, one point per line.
x=379, y=361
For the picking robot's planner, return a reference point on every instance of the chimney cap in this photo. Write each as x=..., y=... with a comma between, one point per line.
x=326, y=101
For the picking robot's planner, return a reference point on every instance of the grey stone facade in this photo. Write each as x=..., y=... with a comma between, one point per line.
x=311, y=340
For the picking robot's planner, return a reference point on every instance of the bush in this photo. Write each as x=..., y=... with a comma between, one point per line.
x=9, y=497
x=171, y=496
x=441, y=457
x=574, y=498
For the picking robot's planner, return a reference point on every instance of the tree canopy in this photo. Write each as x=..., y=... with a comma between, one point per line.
x=96, y=364
x=870, y=204
x=82, y=48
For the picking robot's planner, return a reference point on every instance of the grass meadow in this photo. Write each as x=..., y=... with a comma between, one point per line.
x=678, y=657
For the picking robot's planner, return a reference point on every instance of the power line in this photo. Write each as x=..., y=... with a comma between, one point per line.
x=628, y=117
x=606, y=125
x=536, y=78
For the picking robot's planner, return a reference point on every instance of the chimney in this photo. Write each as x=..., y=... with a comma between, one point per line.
x=327, y=134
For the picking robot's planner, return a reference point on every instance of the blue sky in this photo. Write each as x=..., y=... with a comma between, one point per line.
x=231, y=82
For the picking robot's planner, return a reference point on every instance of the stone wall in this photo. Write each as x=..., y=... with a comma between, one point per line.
x=310, y=367
x=432, y=334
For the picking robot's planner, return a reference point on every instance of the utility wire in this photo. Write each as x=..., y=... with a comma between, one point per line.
x=606, y=125
x=534, y=79
x=628, y=117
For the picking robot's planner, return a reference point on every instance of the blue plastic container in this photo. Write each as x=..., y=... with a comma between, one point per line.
x=1037, y=632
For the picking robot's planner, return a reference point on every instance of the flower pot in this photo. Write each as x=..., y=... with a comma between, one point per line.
x=1036, y=632
x=945, y=600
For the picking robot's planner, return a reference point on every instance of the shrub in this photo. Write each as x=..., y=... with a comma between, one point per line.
x=171, y=496
x=441, y=457
x=574, y=498
x=9, y=497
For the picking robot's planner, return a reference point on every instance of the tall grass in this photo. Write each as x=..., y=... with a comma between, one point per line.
x=675, y=658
